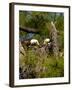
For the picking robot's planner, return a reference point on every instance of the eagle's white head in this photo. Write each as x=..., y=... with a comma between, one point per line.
x=46, y=41
x=34, y=41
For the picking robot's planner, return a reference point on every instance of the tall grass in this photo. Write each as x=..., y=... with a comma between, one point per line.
x=41, y=66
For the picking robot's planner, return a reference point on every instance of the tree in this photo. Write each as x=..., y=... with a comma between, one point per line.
x=54, y=39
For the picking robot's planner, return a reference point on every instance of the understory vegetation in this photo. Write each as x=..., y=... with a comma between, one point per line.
x=35, y=65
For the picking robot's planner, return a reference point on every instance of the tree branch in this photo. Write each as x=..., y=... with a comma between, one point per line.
x=29, y=30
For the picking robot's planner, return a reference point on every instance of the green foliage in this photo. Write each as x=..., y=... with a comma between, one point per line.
x=60, y=28
x=60, y=23
x=35, y=20
x=44, y=65
x=41, y=21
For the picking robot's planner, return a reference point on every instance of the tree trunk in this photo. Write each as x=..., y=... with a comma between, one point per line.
x=54, y=38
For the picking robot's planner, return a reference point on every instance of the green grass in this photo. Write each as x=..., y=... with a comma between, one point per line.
x=42, y=66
